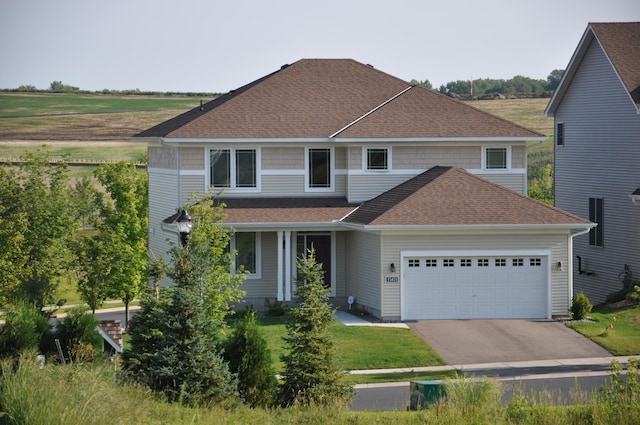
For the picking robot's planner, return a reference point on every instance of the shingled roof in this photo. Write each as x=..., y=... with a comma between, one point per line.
x=324, y=98
x=444, y=196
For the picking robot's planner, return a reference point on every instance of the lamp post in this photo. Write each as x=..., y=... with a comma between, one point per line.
x=184, y=224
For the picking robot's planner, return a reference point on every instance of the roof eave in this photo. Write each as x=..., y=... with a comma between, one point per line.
x=560, y=227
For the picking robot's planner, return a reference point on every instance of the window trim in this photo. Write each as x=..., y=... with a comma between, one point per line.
x=258, y=255
x=307, y=169
x=365, y=159
x=233, y=169
x=496, y=170
x=559, y=133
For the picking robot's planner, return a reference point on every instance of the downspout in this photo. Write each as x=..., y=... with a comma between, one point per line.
x=570, y=260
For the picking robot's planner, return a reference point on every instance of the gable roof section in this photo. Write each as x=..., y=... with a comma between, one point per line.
x=321, y=98
x=449, y=196
x=620, y=42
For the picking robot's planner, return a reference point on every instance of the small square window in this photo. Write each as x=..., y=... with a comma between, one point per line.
x=377, y=159
x=535, y=262
x=500, y=262
x=448, y=262
x=465, y=262
x=414, y=262
x=431, y=262
x=496, y=158
x=517, y=262
x=483, y=262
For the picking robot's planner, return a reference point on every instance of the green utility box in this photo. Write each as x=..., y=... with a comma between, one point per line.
x=425, y=393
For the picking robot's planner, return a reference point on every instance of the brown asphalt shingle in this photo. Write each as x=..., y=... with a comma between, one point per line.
x=452, y=196
x=316, y=98
x=621, y=42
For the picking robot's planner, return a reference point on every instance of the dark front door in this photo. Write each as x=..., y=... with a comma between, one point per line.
x=322, y=246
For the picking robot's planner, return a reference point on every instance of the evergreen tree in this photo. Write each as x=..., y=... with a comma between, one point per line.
x=312, y=375
x=249, y=357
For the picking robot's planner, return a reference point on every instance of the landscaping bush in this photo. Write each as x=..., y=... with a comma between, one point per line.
x=25, y=329
x=275, y=308
x=78, y=336
x=249, y=357
x=634, y=294
x=580, y=306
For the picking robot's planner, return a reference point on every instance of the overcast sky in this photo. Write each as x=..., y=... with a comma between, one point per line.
x=217, y=46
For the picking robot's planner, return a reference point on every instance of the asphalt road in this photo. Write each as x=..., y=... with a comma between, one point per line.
x=561, y=389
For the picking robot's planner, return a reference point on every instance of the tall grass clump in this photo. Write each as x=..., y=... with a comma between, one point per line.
x=477, y=398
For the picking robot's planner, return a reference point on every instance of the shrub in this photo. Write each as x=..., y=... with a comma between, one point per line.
x=580, y=306
x=634, y=294
x=249, y=357
x=275, y=308
x=78, y=335
x=25, y=329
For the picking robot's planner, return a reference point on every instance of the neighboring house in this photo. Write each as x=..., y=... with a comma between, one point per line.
x=596, y=109
x=414, y=202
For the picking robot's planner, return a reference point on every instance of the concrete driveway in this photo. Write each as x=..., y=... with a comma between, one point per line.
x=461, y=342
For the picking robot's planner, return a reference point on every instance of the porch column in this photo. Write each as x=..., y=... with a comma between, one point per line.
x=280, y=280
x=287, y=265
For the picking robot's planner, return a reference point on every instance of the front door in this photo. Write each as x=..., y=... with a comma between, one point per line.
x=321, y=244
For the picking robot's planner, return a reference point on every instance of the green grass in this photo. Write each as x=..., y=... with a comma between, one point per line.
x=27, y=105
x=379, y=378
x=621, y=340
x=355, y=349
x=78, y=152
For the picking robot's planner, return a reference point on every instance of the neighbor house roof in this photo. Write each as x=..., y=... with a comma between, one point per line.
x=441, y=196
x=620, y=42
x=451, y=196
x=341, y=98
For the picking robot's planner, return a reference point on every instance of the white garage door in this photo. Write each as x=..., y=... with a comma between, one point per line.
x=475, y=287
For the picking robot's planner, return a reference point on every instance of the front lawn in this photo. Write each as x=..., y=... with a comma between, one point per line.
x=623, y=339
x=361, y=347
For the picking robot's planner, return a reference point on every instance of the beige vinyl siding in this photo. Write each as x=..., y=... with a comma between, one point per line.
x=600, y=158
x=282, y=185
x=192, y=158
x=191, y=185
x=340, y=158
x=555, y=242
x=163, y=201
x=341, y=264
x=363, y=271
x=282, y=158
x=363, y=187
x=266, y=286
x=517, y=182
x=425, y=157
x=162, y=157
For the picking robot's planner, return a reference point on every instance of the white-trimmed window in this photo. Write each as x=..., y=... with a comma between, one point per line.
x=377, y=159
x=233, y=168
x=560, y=133
x=496, y=158
x=247, y=248
x=319, y=164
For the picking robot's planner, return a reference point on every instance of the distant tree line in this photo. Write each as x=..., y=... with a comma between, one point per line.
x=60, y=87
x=518, y=86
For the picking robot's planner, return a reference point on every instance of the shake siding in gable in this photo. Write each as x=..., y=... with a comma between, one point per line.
x=600, y=158
x=162, y=157
x=192, y=158
x=555, y=243
x=425, y=157
x=363, y=273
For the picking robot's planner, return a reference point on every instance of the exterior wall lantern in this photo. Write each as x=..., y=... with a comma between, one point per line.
x=392, y=268
x=184, y=224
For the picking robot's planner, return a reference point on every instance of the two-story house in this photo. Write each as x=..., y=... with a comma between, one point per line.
x=413, y=202
x=596, y=110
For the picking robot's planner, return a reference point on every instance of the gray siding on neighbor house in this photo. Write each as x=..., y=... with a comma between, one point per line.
x=600, y=158
x=364, y=267
x=556, y=243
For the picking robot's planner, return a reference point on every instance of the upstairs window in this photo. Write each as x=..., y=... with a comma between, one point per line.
x=560, y=134
x=377, y=159
x=233, y=168
x=496, y=158
x=596, y=210
x=319, y=168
